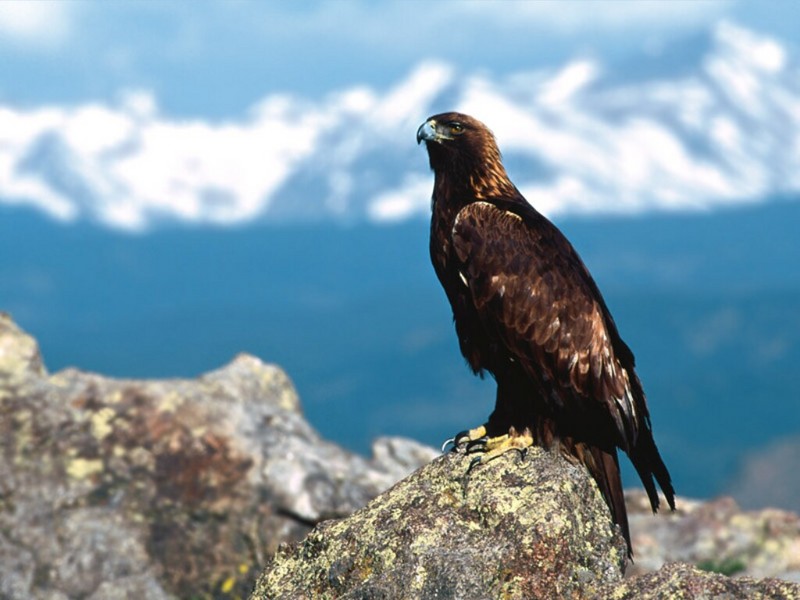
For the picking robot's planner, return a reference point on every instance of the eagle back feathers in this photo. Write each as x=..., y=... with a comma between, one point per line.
x=533, y=292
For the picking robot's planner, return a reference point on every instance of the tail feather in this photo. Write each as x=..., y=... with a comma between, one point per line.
x=603, y=465
x=649, y=465
x=604, y=468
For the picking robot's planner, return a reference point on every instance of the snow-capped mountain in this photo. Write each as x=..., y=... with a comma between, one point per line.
x=579, y=138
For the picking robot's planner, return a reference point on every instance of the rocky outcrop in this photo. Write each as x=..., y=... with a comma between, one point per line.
x=715, y=536
x=517, y=527
x=685, y=582
x=154, y=489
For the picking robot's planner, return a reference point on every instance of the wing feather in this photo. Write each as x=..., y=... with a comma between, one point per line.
x=530, y=284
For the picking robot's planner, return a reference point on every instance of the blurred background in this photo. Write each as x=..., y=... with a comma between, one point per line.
x=180, y=182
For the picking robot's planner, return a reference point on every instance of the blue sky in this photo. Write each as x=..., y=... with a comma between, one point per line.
x=125, y=113
x=215, y=58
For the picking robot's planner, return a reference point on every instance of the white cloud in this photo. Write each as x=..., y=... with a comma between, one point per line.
x=411, y=199
x=568, y=82
x=726, y=132
x=44, y=24
x=722, y=135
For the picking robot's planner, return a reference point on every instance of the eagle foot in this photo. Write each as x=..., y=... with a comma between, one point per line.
x=494, y=447
x=471, y=436
x=478, y=445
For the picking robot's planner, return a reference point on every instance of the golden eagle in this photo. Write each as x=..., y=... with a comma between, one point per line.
x=527, y=311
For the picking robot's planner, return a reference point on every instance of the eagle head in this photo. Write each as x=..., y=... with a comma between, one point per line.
x=452, y=126
x=459, y=143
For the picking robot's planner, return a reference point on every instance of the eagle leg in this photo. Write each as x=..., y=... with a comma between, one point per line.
x=494, y=447
x=471, y=436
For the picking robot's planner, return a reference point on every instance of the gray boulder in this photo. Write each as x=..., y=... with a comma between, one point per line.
x=686, y=582
x=532, y=526
x=153, y=489
x=716, y=535
x=516, y=528
x=114, y=489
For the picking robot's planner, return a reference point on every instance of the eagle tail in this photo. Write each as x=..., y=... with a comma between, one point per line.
x=649, y=465
x=603, y=465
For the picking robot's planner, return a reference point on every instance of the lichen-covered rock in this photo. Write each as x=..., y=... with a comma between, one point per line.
x=153, y=489
x=532, y=527
x=678, y=581
x=516, y=527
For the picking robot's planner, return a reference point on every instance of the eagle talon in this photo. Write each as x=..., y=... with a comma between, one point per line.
x=474, y=463
x=491, y=448
x=478, y=445
x=467, y=435
x=460, y=437
x=447, y=442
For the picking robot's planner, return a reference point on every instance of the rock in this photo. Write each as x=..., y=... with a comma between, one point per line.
x=532, y=527
x=685, y=582
x=185, y=488
x=151, y=489
x=516, y=527
x=716, y=536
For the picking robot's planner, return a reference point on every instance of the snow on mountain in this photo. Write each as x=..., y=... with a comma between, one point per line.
x=577, y=139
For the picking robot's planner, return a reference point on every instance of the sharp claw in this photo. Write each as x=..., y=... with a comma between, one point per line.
x=476, y=445
x=455, y=440
x=474, y=462
x=457, y=437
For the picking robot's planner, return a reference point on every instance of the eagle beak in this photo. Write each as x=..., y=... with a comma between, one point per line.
x=427, y=132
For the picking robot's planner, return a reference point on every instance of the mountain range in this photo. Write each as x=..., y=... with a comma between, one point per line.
x=715, y=123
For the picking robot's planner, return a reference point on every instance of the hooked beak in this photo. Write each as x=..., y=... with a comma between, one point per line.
x=427, y=132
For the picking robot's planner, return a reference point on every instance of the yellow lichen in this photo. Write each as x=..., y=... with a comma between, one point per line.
x=170, y=402
x=199, y=431
x=288, y=400
x=101, y=422
x=418, y=581
x=228, y=584
x=81, y=468
x=387, y=557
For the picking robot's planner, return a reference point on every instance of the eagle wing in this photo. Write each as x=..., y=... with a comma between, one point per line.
x=532, y=289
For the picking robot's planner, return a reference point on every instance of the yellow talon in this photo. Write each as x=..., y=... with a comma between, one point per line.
x=472, y=435
x=494, y=447
x=501, y=444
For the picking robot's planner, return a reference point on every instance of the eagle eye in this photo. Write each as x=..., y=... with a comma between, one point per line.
x=456, y=127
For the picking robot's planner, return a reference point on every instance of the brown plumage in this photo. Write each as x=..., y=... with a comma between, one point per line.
x=527, y=311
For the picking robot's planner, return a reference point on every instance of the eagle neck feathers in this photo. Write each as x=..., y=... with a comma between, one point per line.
x=465, y=182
